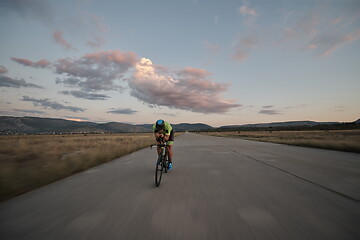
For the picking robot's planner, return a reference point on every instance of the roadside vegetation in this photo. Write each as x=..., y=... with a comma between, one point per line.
x=28, y=162
x=341, y=140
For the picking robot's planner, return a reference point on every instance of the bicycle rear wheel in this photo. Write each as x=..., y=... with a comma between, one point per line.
x=158, y=171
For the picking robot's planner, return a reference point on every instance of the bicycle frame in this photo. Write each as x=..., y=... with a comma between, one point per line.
x=162, y=162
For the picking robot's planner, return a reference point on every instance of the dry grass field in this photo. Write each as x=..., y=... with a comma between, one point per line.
x=341, y=140
x=29, y=162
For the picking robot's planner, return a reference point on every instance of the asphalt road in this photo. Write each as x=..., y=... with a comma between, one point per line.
x=220, y=188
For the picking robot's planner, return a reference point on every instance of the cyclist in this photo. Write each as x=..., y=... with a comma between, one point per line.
x=164, y=131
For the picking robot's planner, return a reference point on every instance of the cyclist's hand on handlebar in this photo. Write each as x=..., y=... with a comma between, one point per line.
x=159, y=135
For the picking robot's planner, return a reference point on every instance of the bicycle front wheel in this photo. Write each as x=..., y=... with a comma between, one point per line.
x=165, y=164
x=158, y=171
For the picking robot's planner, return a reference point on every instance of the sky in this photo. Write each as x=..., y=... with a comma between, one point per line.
x=194, y=61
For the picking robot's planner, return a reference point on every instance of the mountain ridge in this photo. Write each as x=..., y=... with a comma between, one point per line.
x=38, y=125
x=282, y=124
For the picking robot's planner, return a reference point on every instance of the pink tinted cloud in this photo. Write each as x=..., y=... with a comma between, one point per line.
x=96, y=71
x=195, y=78
x=43, y=63
x=249, y=15
x=309, y=23
x=213, y=48
x=91, y=72
x=76, y=21
x=59, y=39
x=327, y=43
x=187, y=89
x=336, y=20
x=244, y=10
x=320, y=32
x=99, y=30
x=240, y=54
x=244, y=46
x=34, y=9
x=96, y=43
x=23, y=61
x=3, y=69
x=127, y=59
x=194, y=72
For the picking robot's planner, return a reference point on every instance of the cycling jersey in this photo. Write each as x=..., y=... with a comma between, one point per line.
x=167, y=128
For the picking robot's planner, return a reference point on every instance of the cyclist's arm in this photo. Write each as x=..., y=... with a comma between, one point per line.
x=168, y=129
x=158, y=136
x=166, y=137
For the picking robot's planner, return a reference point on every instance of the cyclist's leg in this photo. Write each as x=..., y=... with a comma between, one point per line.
x=170, y=152
x=158, y=148
x=170, y=143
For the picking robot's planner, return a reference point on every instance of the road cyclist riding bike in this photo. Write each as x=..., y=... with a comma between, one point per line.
x=164, y=136
x=163, y=131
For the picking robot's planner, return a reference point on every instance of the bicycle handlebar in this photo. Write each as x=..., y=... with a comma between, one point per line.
x=159, y=145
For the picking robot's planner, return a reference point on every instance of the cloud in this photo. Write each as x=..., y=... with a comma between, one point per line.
x=187, y=89
x=46, y=103
x=73, y=20
x=190, y=72
x=92, y=72
x=29, y=111
x=240, y=55
x=339, y=108
x=244, y=46
x=39, y=64
x=166, y=114
x=96, y=71
x=59, y=39
x=127, y=111
x=267, y=106
x=3, y=69
x=246, y=11
x=211, y=47
x=77, y=119
x=86, y=95
x=97, y=28
x=309, y=23
x=249, y=15
x=34, y=9
x=327, y=43
x=270, y=112
x=70, y=82
x=296, y=106
x=320, y=32
x=16, y=83
x=96, y=43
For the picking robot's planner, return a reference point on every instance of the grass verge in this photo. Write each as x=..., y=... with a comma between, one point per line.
x=29, y=162
x=341, y=140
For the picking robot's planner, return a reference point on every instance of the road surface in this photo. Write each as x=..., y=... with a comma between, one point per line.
x=220, y=188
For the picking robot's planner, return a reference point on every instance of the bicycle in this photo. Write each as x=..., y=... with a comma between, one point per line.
x=162, y=162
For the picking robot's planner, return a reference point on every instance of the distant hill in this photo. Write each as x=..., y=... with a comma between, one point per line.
x=35, y=125
x=282, y=124
x=182, y=127
x=292, y=126
x=121, y=127
x=190, y=126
